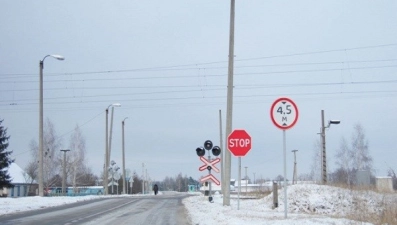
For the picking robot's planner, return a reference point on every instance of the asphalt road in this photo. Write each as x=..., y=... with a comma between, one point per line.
x=149, y=210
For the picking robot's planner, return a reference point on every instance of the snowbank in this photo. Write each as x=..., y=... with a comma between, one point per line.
x=327, y=200
x=307, y=204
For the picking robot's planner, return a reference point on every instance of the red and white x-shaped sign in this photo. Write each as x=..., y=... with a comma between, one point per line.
x=209, y=164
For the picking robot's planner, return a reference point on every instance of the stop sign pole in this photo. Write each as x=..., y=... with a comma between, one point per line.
x=284, y=115
x=239, y=143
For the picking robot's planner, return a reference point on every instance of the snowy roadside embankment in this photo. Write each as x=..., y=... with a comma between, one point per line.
x=334, y=201
x=307, y=204
x=12, y=205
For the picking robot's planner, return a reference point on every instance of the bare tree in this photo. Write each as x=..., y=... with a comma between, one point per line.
x=137, y=184
x=315, y=173
x=343, y=160
x=393, y=175
x=359, y=151
x=76, y=158
x=51, y=155
x=85, y=177
x=30, y=175
x=51, y=149
x=354, y=158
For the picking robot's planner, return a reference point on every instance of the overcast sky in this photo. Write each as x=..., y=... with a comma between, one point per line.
x=166, y=63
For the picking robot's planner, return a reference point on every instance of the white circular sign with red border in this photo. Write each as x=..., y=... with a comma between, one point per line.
x=284, y=113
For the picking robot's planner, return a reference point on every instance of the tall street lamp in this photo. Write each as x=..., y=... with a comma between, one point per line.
x=41, y=65
x=123, y=154
x=324, y=155
x=107, y=155
x=64, y=171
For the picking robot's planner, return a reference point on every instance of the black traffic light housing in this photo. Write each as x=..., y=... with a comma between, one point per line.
x=208, y=145
x=216, y=151
x=200, y=151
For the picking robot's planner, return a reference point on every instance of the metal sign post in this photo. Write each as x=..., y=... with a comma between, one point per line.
x=284, y=115
x=239, y=143
x=239, y=182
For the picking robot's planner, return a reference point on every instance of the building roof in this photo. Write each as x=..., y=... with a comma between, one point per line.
x=17, y=174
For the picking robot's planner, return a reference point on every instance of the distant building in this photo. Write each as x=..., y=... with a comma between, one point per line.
x=21, y=181
x=384, y=184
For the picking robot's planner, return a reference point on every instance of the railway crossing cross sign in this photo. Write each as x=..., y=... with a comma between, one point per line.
x=210, y=165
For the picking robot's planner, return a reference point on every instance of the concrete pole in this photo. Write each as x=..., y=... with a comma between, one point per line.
x=112, y=172
x=275, y=195
x=123, y=152
x=41, y=178
x=147, y=181
x=324, y=156
x=143, y=178
x=294, y=176
x=223, y=183
x=229, y=112
x=106, y=173
x=111, y=131
x=64, y=171
x=41, y=140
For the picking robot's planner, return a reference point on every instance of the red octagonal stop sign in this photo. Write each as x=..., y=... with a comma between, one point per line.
x=239, y=142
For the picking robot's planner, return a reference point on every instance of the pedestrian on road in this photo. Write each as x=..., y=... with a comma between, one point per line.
x=155, y=189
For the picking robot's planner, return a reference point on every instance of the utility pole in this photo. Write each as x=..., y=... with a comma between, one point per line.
x=223, y=182
x=64, y=171
x=41, y=130
x=111, y=132
x=229, y=112
x=323, y=152
x=106, y=166
x=147, y=181
x=123, y=155
x=294, y=176
x=143, y=178
x=107, y=148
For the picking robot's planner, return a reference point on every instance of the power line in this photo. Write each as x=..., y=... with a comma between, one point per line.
x=207, y=88
x=320, y=52
x=216, y=62
x=208, y=75
x=216, y=97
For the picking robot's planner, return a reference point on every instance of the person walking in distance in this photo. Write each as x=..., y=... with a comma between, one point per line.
x=155, y=189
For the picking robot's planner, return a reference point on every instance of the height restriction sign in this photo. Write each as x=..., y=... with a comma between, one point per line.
x=284, y=113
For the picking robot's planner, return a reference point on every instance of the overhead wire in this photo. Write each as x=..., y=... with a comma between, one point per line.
x=253, y=86
x=198, y=66
x=218, y=62
x=208, y=75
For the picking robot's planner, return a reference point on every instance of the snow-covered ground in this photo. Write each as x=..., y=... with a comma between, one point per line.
x=307, y=204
